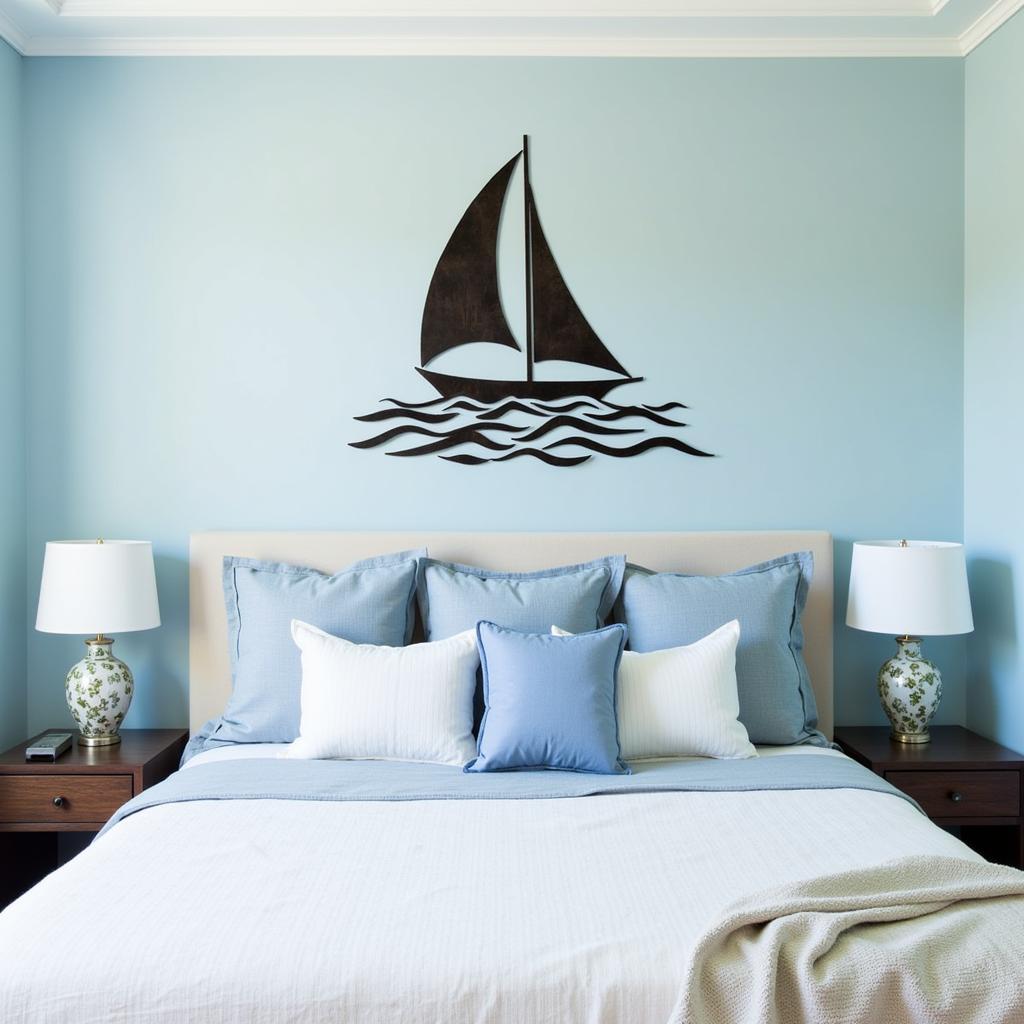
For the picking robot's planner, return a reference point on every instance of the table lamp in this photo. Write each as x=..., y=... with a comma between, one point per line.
x=97, y=587
x=911, y=589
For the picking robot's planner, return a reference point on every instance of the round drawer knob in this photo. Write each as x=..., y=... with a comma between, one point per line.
x=956, y=796
x=58, y=801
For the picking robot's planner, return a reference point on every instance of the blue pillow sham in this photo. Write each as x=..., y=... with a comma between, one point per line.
x=663, y=610
x=370, y=602
x=453, y=597
x=550, y=700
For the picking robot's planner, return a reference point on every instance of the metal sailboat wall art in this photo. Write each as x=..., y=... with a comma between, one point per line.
x=463, y=305
x=481, y=420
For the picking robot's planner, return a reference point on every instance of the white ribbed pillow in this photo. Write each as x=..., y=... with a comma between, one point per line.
x=410, y=703
x=681, y=702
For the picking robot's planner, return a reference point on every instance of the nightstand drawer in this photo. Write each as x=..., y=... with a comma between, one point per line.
x=967, y=794
x=57, y=798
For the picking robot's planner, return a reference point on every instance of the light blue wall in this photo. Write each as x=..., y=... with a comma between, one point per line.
x=993, y=380
x=227, y=260
x=12, y=408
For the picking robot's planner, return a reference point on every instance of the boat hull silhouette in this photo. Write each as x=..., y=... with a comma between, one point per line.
x=482, y=390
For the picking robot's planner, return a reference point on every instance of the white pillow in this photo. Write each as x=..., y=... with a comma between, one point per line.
x=681, y=702
x=394, y=703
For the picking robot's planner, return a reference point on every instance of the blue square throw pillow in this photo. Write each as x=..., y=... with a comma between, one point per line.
x=550, y=700
x=370, y=602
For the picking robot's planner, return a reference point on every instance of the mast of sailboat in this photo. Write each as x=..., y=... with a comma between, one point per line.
x=527, y=200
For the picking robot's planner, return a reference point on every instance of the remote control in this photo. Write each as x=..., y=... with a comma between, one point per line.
x=48, y=747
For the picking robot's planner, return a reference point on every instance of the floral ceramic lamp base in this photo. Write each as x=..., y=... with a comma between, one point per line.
x=910, y=688
x=99, y=690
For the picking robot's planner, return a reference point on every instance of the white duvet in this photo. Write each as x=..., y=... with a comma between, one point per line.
x=525, y=911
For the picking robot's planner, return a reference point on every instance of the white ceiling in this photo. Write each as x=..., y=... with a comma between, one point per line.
x=616, y=28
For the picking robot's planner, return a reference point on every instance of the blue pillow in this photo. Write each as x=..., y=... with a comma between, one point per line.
x=370, y=602
x=550, y=700
x=669, y=609
x=454, y=598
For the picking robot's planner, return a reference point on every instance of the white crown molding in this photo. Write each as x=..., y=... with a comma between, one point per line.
x=13, y=34
x=498, y=45
x=996, y=15
x=489, y=46
x=507, y=9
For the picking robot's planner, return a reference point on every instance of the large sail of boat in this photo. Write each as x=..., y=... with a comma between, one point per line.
x=463, y=301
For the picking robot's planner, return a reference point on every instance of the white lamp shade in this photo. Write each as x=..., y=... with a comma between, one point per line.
x=90, y=587
x=917, y=590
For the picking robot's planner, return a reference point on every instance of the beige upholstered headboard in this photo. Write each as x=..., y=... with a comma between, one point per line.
x=210, y=673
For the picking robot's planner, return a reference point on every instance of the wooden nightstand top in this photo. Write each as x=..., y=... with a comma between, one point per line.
x=951, y=747
x=138, y=747
x=85, y=785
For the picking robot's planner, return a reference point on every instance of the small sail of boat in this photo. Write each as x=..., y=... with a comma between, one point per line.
x=463, y=305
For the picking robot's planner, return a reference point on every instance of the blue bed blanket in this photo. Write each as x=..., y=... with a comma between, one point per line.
x=284, y=779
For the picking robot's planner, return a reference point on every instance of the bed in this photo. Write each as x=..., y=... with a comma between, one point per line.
x=792, y=886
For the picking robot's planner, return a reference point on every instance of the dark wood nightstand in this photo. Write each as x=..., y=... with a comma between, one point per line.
x=963, y=782
x=76, y=793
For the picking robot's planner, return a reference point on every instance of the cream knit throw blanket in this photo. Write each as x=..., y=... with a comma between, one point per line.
x=920, y=940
